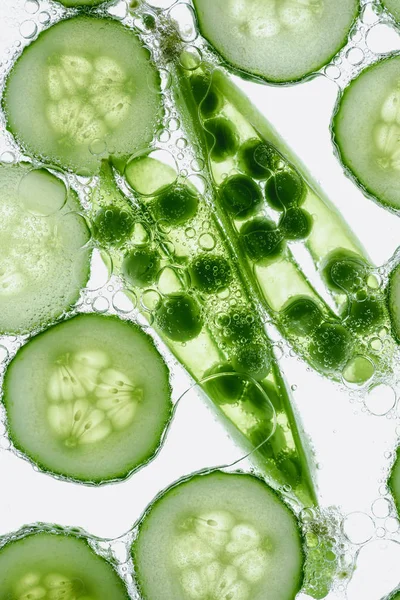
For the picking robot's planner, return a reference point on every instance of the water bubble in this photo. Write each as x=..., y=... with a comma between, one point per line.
x=98, y=147
x=381, y=508
x=380, y=399
x=358, y=528
x=190, y=58
x=28, y=29
x=100, y=304
x=31, y=6
x=44, y=17
x=124, y=301
x=207, y=241
x=355, y=56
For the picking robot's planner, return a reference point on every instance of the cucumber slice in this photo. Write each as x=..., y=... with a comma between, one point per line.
x=279, y=40
x=219, y=535
x=43, y=264
x=394, y=481
x=88, y=399
x=392, y=6
x=85, y=89
x=56, y=566
x=366, y=130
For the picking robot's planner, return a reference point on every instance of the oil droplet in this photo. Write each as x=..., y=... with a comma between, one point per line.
x=380, y=399
x=358, y=528
x=28, y=29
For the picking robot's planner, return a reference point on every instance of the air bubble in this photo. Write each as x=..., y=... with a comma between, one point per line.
x=355, y=56
x=198, y=181
x=358, y=528
x=28, y=29
x=139, y=171
x=44, y=18
x=100, y=304
x=185, y=21
x=119, y=10
x=140, y=235
x=190, y=232
x=207, y=241
x=380, y=399
x=31, y=6
x=392, y=525
x=358, y=371
x=3, y=354
x=7, y=158
x=332, y=72
x=190, y=58
x=98, y=147
x=163, y=136
x=197, y=164
x=381, y=508
x=369, y=15
x=150, y=300
x=100, y=269
x=124, y=301
x=382, y=39
x=376, y=344
x=170, y=280
x=181, y=143
x=42, y=193
x=173, y=124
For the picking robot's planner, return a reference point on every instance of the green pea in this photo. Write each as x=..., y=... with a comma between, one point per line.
x=290, y=466
x=365, y=315
x=239, y=326
x=344, y=271
x=301, y=316
x=254, y=360
x=179, y=317
x=285, y=189
x=258, y=159
x=274, y=446
x=331, y=346
x=240, y=196
x=205, y=95
x=224, y=389
x=257, y=397
x=210, y=273
x=296, y=224
x=140, y=267
x=112, y=226
x=175, y=205
x=262, y=240
x=222, y=138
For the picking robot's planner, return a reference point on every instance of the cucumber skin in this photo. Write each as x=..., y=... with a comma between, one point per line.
x=395, y=466
x=390, y=11
x=83, y=4
x=257, y=77
x=55, y=529
x=188, y=479
x=368, y=192
x=388, y=292
x=94, y=481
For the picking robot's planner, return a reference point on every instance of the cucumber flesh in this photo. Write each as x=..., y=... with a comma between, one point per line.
x=280, y=41
x=88, y=399
x=394, y=481
x=366, y=130
x=75, y=3
x=219, y=536
x=392, y=6
x=43, y=262
x=92, y=90
x=56, y=566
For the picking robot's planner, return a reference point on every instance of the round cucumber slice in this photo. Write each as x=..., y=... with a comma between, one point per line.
x=56, y=566
x=392, y=6
x=394, y=481
x=88, y=399
x=366, y=130
x=279, y=40
x=84, y=90
x=43, y=262
x=75, y=3
x=219, y=535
